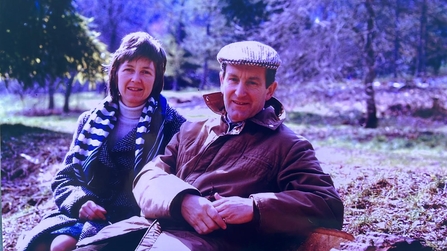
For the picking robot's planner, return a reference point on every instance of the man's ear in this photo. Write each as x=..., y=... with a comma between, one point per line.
x=221, y=81
x=271, y=90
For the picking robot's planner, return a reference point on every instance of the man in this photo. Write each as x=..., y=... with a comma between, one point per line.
x=240, y=181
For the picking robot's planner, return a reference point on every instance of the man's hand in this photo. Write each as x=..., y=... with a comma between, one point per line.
x=234, y=209
x=201, y=215
x=91, y=211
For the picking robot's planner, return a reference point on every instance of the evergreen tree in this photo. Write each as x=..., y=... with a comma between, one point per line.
x=43, y=41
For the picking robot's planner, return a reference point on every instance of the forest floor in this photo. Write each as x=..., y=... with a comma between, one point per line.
x=392, y=179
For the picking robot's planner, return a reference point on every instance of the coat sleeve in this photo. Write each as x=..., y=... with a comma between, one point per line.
x=307, y=197
x=69, y=193
x=156, y=188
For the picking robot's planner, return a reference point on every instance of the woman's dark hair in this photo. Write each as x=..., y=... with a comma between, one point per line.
x=135, y=46
x=269, y=74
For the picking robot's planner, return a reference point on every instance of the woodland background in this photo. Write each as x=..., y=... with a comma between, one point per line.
x=364, y=80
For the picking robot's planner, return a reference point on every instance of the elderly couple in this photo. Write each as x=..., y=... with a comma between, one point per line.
x=138, y=177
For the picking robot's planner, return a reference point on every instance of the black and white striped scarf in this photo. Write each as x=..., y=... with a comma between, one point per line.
x=101, y=122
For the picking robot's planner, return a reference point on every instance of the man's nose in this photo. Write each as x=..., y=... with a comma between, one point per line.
x=240, y=89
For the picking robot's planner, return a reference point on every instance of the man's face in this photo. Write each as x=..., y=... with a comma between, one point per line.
x=244, y=91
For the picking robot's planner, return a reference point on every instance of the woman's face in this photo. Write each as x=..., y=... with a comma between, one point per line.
x=135, y=81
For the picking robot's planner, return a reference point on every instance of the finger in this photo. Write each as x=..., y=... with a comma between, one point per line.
x=217, y=196
x=221, y=222
x=210, y=227
x=219, y=205
x=219, y=200
x=98, y=207
x=87, y=205
x=98, y=215
x=202, y=228
x=83, y=211
x=99, y=212
x=84, y=215
x=89, y=214
x=217, y=219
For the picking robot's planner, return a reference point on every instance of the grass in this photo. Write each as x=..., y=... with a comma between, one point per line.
x=392, y=179
x=32, y=110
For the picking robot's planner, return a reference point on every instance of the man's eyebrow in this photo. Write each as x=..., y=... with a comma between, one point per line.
x=255, y=78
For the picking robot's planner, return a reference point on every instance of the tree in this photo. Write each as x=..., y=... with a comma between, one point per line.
x=413, y=37
x=194, y=31
x=431, y=36
x=116, y=18
x=315, y=37
x=191, y=31
x=243, y=25
x=371, y=120
x=328, y=40
x=206, y=37
x=43, y=41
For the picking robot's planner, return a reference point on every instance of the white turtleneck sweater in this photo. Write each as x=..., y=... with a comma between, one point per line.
x=128, y=118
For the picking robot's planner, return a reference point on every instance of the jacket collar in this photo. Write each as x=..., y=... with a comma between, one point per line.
x=271, y=117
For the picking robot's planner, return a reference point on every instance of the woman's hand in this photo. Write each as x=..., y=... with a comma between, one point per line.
x=91, y=211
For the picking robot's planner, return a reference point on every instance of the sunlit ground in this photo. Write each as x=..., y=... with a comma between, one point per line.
x=392, y=179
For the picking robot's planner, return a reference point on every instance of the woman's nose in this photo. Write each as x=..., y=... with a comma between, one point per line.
x=136, y=77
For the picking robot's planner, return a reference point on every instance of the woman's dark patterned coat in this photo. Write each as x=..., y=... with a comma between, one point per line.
x=110, y=186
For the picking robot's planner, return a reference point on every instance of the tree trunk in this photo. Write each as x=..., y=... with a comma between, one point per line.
x=67, y=95
x=51, y=91
x=114, y=41
x=396, y=38
x=175, y=83
x=178, y=41
x=113, y=24
x=421, y=67
x=204, y=75
x=203, y=83
x=371, y=112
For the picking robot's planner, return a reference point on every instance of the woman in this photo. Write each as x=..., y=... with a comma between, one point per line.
x=130, y=126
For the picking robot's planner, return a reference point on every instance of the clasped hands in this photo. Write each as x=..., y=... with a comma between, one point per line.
x=206, y=216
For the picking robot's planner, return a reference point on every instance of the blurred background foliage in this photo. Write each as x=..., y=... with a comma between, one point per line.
x=346, y=63
x=55, y=44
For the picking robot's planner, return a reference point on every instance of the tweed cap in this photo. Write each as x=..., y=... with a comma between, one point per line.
x=249, y=53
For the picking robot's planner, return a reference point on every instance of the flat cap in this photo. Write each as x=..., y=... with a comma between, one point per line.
x=249, y=53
